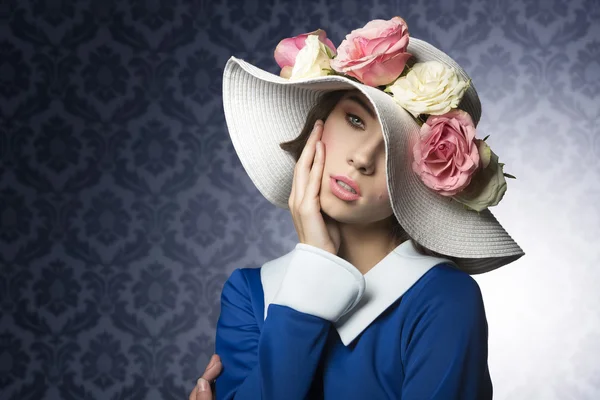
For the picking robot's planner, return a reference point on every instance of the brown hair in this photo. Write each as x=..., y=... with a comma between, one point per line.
x=321, y=110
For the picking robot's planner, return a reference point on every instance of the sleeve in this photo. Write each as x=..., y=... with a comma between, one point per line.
x=279, y=361
x=446, y=354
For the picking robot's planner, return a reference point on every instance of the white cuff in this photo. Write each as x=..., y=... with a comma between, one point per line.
x=320, y=283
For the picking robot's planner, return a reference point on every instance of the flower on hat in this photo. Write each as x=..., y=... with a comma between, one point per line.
x=288, y=49
x=450, y=160
x=447, y=155
x=375, y=54
x=487, y=186
x=312, y=60
x=428, y=88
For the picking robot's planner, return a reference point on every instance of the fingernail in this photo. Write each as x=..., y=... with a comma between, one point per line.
x=212, y=362
x=202, y=385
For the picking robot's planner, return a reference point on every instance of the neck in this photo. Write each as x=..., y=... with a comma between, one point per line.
x=364, y=246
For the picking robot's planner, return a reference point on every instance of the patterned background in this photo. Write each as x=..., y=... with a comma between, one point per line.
x=123, y=207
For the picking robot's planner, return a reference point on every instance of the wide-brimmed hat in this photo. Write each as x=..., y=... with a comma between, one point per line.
x=263, y=110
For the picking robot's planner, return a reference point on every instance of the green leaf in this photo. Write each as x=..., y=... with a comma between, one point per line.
x=509, y=176
x=466, y=207
x=486, y=137
x=422, y=118
x=329, y=52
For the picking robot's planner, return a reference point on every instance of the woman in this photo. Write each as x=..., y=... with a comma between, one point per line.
x=376, y=300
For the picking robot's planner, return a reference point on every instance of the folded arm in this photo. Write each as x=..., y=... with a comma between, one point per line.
x=279, y=361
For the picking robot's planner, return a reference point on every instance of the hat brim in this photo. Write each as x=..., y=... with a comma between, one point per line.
x=263, y=110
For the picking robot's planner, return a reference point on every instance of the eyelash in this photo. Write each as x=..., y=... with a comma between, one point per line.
x=350, y=123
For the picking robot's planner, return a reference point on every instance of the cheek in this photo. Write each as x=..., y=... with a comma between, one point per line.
x=382, y=195
x=328, y=145
x=331, y=133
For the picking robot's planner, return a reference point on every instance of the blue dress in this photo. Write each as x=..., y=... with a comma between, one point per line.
x=309, y=325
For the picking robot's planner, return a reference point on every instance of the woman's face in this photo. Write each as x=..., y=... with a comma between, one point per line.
x=354, y=147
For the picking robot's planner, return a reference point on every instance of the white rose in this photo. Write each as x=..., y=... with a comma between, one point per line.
x=312, y=60
x=428, y=88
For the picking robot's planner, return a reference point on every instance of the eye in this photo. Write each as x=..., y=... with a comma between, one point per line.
x=354, y=121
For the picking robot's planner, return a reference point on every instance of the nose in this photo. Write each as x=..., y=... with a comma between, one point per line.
x=364, y=157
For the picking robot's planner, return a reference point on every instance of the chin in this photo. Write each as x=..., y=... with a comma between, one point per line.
x=337, y=209
x=341, y=212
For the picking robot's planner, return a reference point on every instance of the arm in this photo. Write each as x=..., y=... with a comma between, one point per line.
x=447, y=350
x=280, y=361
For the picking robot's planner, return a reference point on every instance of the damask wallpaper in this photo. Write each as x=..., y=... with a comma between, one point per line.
x=123, y=207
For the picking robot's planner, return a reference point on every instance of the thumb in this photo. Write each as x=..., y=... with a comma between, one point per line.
x=203, y=390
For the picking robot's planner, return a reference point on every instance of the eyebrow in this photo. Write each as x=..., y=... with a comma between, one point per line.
x=360, y=102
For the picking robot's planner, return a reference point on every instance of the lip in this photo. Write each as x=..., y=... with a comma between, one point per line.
x=348, y=181
x=341, y=193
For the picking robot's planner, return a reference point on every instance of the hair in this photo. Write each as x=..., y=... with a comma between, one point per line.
x=321, y=110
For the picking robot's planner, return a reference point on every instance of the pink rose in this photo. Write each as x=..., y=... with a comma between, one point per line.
x=447, y=156
x=287, y=50
x=375, y=54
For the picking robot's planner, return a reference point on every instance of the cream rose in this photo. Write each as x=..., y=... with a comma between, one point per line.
x=428, y=88
x=313, y=60
x=287, y=50
x=487, y=186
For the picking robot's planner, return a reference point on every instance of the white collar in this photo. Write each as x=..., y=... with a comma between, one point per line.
x=387, y=281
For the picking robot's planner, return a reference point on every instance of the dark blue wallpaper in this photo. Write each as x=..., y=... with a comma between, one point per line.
x=124, y=208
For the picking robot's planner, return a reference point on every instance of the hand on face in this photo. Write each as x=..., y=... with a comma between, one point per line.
x=312, y=226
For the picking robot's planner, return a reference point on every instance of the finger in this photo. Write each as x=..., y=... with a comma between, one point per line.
x=305, y=156
x=292, y=193
x=206, y=379
x=202, y=395
x=211, y=373
x=314, y=181
x=213, y=359
x=304, y=164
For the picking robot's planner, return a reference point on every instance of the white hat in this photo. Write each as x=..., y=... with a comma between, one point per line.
x=263, y=110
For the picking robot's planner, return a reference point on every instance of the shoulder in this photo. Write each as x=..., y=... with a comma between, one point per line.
x=242, y=284
x=446, y=282
x=241, y=298
x=445, y=288
x=236, y=285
